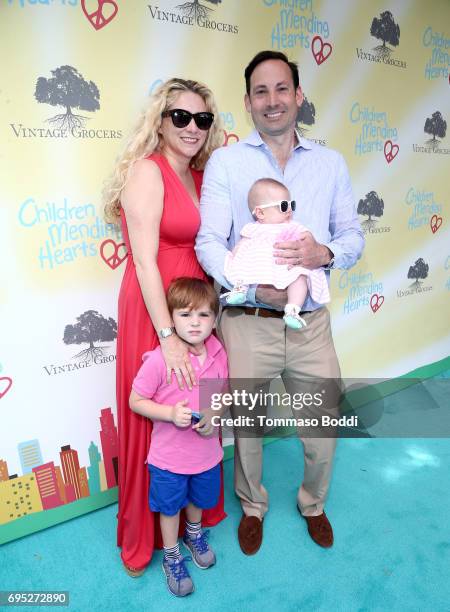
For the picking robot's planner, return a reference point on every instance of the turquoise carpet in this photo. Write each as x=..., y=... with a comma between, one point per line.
x=389, y=505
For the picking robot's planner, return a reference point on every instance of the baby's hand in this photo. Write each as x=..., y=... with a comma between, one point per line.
x=181, y=414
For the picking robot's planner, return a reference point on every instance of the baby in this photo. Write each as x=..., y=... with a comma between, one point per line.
x=252, y=260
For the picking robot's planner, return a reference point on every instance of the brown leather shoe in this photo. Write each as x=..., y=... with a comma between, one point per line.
x=320, y=529
x=250, y=534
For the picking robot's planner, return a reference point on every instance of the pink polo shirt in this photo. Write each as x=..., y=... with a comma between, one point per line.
x=181, y=449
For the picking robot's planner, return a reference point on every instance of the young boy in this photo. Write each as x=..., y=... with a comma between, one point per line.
x=185, y=453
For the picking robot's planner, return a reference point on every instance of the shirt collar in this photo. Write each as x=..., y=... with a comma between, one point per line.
x=254, y=139
x=213, y=346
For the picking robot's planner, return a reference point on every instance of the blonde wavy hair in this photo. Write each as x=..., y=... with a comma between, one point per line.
x=145, y=139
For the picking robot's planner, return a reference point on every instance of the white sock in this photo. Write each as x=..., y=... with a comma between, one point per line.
x=172, y=552
x=290, y=309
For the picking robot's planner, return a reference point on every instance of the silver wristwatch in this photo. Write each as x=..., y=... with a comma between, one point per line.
x=330, y=264
x=165, y=332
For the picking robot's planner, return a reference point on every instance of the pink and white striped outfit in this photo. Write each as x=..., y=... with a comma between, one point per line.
x=253, y=261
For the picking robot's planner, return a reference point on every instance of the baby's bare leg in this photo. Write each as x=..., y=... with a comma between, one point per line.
x=297, y=291
x=296, y=298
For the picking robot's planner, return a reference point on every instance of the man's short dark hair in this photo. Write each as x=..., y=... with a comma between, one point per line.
x=263, y=56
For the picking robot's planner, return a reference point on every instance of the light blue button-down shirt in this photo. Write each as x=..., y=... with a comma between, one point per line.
x=318, y=180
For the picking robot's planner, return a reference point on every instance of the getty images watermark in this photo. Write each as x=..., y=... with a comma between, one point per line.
x=255, y=401
x=329, y=408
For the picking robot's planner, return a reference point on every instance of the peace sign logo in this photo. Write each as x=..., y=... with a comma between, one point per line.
x=95, y=14
x=390, y=150
x=110, y=253
x=435, y=223
x=376, y=301
x=321, y=51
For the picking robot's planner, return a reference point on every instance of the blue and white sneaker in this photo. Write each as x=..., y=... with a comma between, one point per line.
x=202, y=555
x=178, y=580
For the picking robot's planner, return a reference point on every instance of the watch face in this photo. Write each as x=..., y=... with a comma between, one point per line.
x=166, y=332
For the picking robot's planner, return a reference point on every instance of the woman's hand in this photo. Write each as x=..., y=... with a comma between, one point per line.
x=181, y=414
x=176, y=356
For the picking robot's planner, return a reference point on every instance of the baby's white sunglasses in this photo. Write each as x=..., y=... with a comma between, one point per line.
x=283, y=205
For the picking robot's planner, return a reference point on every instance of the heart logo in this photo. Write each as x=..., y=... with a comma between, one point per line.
x=390, y=150
x=435, y=223
x=376, y=301
x=227, y=137
x=97, y=17
x=323, y=52
x=5, y=385
x=109, y=251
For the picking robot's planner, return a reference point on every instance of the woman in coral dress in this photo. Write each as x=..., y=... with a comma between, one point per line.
x=155, y=189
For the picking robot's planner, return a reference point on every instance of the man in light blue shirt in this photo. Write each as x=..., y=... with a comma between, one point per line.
x=257, y=341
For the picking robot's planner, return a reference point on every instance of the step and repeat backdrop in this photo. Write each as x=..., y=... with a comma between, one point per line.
x=75, y=75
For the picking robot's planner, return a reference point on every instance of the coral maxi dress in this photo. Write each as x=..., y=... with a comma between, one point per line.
x=138, y=530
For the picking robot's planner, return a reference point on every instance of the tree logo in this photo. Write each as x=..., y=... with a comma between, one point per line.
x=91, y=327
x=418, y=270
x=436, y=126
x=306, y=114
x=372, y=206
x=384, y=28
x=68, y=88
x=195, y=10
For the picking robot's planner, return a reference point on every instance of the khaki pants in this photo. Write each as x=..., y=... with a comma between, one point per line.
x=263, y=348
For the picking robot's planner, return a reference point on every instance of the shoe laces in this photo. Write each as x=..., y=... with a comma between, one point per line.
x=200, y=543
x=178, y=568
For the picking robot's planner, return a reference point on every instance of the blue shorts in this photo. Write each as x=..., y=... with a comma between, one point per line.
x=169, y=492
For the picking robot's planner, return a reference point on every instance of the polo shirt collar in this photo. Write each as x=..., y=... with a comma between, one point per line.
x=254, y=139
x=213, y=346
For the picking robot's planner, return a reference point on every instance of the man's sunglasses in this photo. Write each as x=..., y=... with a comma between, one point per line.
x=283, y=205
x=182, y=118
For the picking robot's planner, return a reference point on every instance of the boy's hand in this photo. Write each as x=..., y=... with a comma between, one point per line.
x=204, y=427
x=181, y=414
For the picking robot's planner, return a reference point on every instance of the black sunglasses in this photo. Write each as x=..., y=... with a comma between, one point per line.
x=182, y=118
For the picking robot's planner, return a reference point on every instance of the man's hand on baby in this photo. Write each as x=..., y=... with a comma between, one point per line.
x=204, y=427
x=181, y=414
x=305, y=252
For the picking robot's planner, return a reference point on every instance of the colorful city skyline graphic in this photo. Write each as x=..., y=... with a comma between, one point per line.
x=44, y=486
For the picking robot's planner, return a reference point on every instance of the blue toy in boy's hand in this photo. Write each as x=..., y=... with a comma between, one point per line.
x=195, y=417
